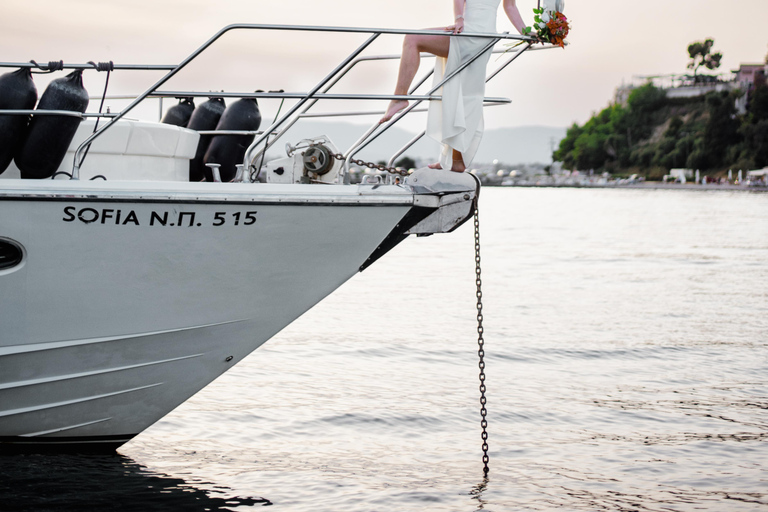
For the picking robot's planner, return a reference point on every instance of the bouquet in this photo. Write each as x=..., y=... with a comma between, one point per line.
x=549, y=27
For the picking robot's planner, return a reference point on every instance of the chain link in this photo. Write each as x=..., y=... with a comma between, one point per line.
x=371, y=165
x=481, y=342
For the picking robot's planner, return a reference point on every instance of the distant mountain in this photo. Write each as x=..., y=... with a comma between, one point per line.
x=521, y=145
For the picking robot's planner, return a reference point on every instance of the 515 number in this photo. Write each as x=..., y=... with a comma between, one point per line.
x=220, y=218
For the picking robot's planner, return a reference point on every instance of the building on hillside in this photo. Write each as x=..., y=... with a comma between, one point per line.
x=700, y=89
x=687, y=86
x=677, y=86
x=748, y=75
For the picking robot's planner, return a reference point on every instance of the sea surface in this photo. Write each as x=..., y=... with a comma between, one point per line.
x=626, y=340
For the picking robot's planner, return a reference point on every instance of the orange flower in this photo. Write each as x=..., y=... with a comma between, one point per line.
x=558, y=28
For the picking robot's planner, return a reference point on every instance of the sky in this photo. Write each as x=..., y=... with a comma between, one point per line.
x=611, y=42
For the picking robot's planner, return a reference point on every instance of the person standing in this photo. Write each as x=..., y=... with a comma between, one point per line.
x=457, y=120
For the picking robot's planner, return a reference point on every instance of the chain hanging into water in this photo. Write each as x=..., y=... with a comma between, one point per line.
x=481, y=342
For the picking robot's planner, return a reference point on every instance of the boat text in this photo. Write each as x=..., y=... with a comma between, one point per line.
x=118, y=217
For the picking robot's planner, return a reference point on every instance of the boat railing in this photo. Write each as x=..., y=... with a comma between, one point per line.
x=379, y=128
x=65, y=113
x=491, y=76
x=304, y=100
x=488, y=102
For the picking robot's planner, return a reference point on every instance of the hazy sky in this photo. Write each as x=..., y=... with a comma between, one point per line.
x=611, y=41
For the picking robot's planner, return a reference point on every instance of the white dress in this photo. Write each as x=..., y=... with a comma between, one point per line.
x=457, y=120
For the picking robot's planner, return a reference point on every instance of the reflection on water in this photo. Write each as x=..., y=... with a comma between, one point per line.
x=477, y=494
x=98, y=482
x=626, y=340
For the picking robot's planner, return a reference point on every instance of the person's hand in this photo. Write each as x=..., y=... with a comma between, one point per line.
x=456, y=28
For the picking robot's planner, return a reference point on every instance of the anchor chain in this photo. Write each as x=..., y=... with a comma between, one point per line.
x=481, y=343
x=371, y=165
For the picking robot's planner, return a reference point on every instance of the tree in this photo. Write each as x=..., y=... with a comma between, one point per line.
x=608, y=139
x=564, y=153
x=754, y=129
x=406, y=162
x=643, y=103
x=758, y=102
x=700, y=53
x=647, y=98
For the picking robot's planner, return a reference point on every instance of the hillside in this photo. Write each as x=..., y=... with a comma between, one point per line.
x=653, y=134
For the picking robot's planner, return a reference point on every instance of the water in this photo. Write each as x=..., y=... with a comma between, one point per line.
x=626, y=335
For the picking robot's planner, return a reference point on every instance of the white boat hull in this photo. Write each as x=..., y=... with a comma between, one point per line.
x=128, y=301
x=113, y=319
x=102, y=392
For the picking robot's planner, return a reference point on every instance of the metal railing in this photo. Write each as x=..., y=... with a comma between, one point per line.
x=65, y=113
x=316, y=93
x=56, y=66
x=515, y=55
x=378, y=129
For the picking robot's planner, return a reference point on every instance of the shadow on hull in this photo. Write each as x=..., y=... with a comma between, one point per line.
x=14, y=445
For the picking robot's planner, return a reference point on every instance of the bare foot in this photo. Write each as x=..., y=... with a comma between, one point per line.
x=394, y=107
x=435, y=165
x=458, y=162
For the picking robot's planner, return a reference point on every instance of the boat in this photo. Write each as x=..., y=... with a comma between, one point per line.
x=125, y=288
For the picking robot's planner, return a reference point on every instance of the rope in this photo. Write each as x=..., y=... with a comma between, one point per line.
x=53, y=65
x=101, y=66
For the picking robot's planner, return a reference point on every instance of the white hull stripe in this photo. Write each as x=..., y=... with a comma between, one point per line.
x=52, y=345
x=24, y=410
x=58, y=378
x=62, y=429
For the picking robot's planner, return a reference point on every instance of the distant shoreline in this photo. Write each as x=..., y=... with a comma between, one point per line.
x=653, y=185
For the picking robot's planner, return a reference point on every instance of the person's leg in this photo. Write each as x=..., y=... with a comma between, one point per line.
x=413, y=45
x=458, y=162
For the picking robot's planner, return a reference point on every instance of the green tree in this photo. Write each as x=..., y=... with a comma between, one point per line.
x=608, y=140
x=406, y=163
x=564, y=153
x=722, y=130
x=753, y=151
x=701, y=54
x=643, y=103
x=646, y=98
x=758, y=102
x=590, y=149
